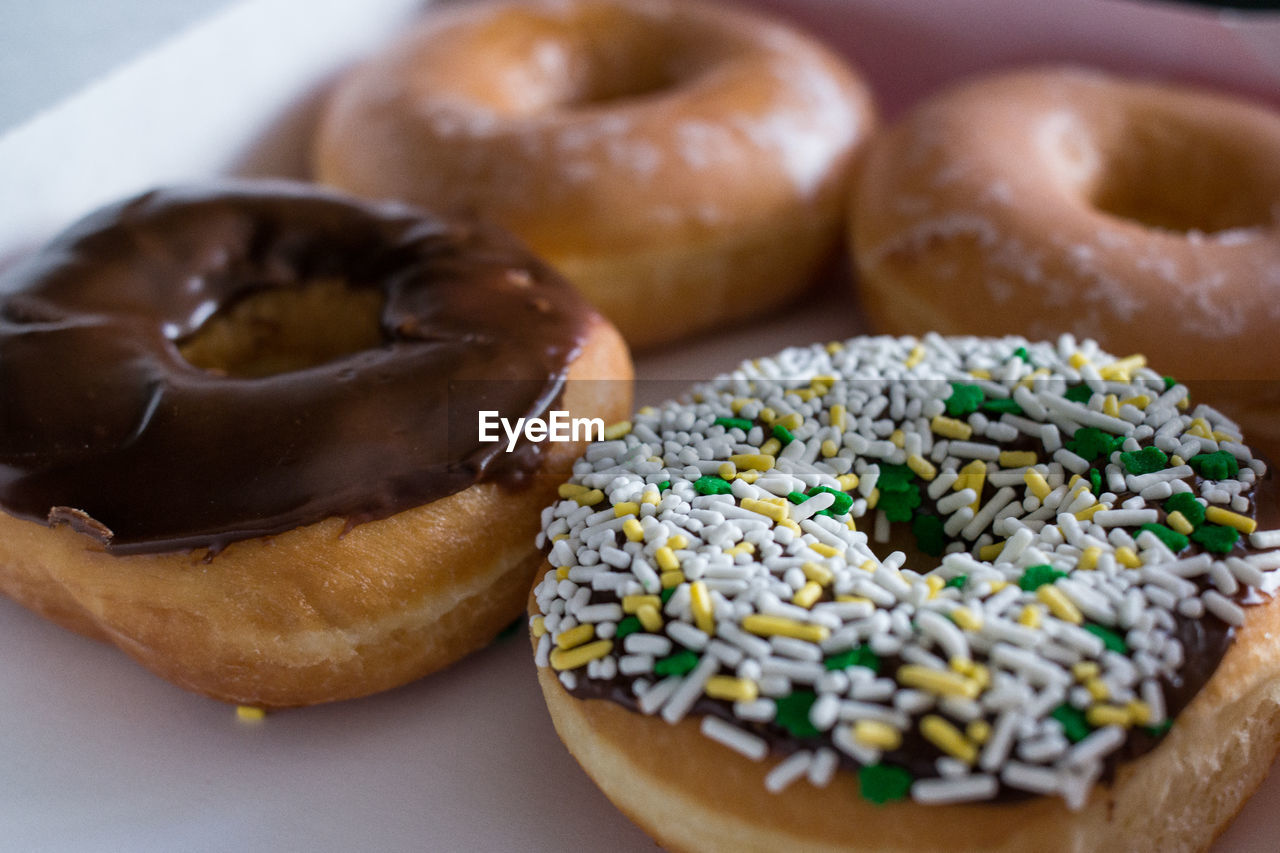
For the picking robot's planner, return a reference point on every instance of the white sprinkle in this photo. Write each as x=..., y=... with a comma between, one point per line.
x=958, y=790
x=742, y=742
x=788, y=771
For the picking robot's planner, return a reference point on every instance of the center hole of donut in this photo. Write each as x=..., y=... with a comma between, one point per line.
x=1183, y=179
x=280, y=330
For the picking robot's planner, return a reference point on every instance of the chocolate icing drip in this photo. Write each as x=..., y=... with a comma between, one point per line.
x=106, y=425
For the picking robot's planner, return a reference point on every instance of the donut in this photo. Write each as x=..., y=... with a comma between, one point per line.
x=657, y=152
x=1060, y=199
x=1070, y=645
x=240, y=435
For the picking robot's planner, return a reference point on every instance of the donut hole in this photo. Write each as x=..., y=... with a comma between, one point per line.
x=281, y=330
x=1175, y=175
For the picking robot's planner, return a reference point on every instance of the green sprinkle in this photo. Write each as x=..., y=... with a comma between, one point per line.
x=796, y=497
x=957, y=582
x=857, y=656
x=1172, y=539
x=900, y=506
x=1217, y=538
x=1039, y=575
x=1185, y=502
x=666, y=594
x=793, y=712
x=733, y=423
x=1021, y=352
x=712, y=485
x=783, y=434
x=1090, y=442
x=894, y=478
x=627, y=625
x=1074, y=724
x=884, y=783
x=1145, y=461
x=1158, y=730
x=1169, y=382
x=843, y=502
x=664, y=485
x=1095, y=480
x=930, y=538
x=1112, y=640
x=1002, y=406
x=679, y=663
x=1079, y=393
x=1219, y=465
x=964, y=399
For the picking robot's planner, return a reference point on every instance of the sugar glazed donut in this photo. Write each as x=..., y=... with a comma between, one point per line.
x=1078, y=653
x=240, y=435
x=1056, y=200
x=657, y=152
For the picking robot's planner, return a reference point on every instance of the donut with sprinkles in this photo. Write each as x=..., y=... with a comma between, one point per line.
x=901, y=593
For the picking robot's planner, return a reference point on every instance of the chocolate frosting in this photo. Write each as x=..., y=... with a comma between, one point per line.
x=105, y=426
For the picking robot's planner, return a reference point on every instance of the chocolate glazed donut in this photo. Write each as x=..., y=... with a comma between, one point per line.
x=104, y=416
x=260, y=403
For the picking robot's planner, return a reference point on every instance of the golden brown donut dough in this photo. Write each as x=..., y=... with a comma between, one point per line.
x=1141, y=214
x=659, y=152
x=318, y=613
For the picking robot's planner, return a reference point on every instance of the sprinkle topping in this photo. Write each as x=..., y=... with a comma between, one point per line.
x=1072, y=512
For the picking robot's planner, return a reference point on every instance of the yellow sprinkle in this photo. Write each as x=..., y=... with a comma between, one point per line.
x=969, y=620
x=646, y=410
x=650, y=618
x=791, y=421
x=766, y=508
x=935, y=584
x=1200, y=428
x=1140, y=401
x=1088, y=512
x=948, y=738
x=1028, y=380
x=617, y=430
x=964, y=666
x=847, y=597
x=874, y=498
x=768, y=415
x=817, y=573
x=633, y=603
x=972, y=476
x=1089, y=559
x=1030, y=616
x=666, y=558
x=1078, y=360
x=837, y=416
x=824, y=549
x=1180, y=523
x=538, y=627
x=752, y=461
x=771, y=447
x=805, y=394
x=741, y=548
x=651, y=496
x=1036, y=482
x=792, y=526
x=737, y=404
x=1218, y=515
x=981, y=676
x=1139, y=712
x=576, y=636
x=1059, y=604
x=671, y=579
x=988, y=553
x=767, y=626
x=876, y=734
x=997, y=585
x=633, y=531
x=826, y=379
x=1184, y=404
x=1122, y=369
x=1097, y=689
x=572, y=490
x=829, y=448
x=978, y=731
x=869, y=565
x=590, y=498
x=732, y=689
x=562, y=573
x=249, y=714
x=562, y=659
x=1125, y=556
x=559, y=536
x=923, y=468
x=1017, y=458
x=898, y=438
x=834, y=347
x=847, y=482
x=1108, y=715
x=700, y=604
x=807, y=595
x=980, y=373
x=915, y=356
x=748, y=476
x=727, y=470
x=677, y=542
x=626, y=508
x=937, y=681
x=1223, y=435
x=951, y=428
x=1085, y=669
x=1111, y=405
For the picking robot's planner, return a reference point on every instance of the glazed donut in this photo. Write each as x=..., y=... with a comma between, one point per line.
x=1056, y=200
x=240, y=435
x=1076, y=652
x=657, y=152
